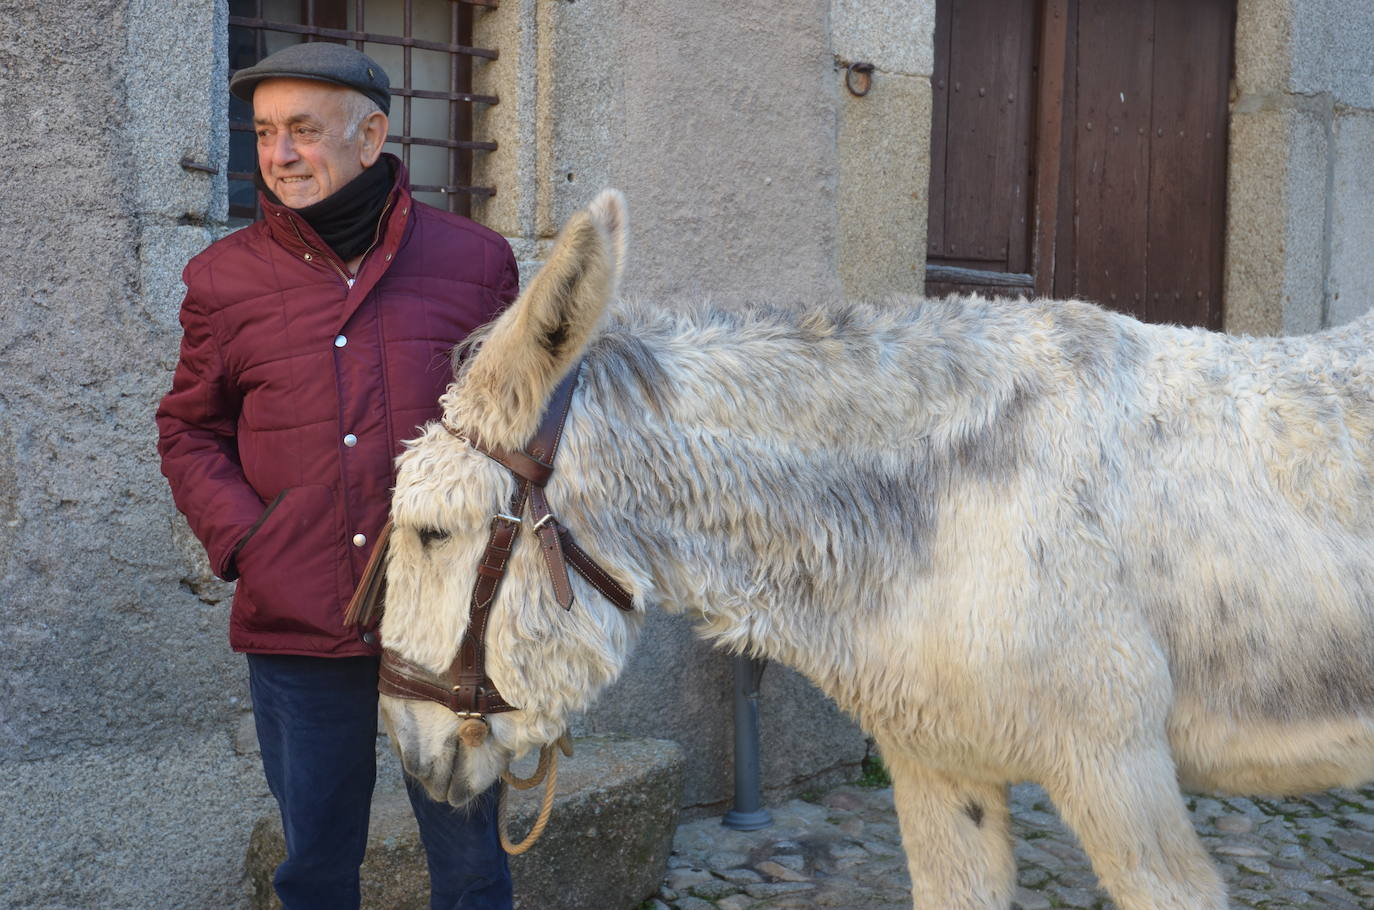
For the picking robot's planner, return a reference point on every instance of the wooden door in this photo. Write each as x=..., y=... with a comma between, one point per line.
x=1079, y=150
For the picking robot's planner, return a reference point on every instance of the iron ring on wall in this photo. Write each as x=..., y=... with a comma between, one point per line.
x=864, y=80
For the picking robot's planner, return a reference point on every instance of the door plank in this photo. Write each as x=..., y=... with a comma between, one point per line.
x=986, y=164
x=1188, y=161
x=948, y=274
x=1049, y=141
x=1115, y=62
x=939, y=131
x=1066, y=240
x=1020, y=109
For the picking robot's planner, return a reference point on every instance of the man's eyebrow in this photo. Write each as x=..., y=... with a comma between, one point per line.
x=291, y=121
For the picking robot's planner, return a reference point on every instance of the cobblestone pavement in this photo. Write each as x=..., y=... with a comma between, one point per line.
x=843, y=851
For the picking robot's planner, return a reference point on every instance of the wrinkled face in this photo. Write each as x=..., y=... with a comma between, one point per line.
x=313, y=137
x=546, y=660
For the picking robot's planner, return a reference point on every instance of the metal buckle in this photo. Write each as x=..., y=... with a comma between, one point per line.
x=504, y=516
x=541, y=522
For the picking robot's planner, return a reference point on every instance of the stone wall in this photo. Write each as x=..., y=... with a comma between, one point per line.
x=1334, y=59
x=119, y=693
x=883, y=147
x=1301, y=190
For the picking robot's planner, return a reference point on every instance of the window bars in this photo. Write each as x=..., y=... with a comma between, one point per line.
x=425, y=46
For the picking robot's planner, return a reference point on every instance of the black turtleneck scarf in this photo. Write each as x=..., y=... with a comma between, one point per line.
x=347, y=218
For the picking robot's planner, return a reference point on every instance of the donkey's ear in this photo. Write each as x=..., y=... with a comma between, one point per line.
x=503, y=391
x=607, y=212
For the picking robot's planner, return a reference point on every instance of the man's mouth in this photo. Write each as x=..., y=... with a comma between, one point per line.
x=293, y=179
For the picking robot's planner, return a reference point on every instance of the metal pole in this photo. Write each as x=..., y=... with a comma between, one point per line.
x=748, y=813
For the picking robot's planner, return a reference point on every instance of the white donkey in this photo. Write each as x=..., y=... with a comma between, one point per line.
x=1017, y=541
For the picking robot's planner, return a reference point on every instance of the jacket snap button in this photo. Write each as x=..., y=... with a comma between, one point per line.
x=359, y=540
x=369, y=638
x=307, y=257
x=350, y=440
x=340, y=340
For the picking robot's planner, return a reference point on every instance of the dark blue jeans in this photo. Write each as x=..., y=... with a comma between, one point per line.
x=317, y=727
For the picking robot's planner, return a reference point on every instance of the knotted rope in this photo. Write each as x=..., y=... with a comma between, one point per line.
x=473, y=732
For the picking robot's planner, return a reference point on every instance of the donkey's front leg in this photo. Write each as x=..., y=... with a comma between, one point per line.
x=956, y=832
x=1125, y=807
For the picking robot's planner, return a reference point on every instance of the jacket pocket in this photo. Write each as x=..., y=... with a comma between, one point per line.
x=243, y=541
x=288, y=565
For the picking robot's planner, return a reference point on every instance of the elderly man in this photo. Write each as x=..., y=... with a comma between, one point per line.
x=314, y=342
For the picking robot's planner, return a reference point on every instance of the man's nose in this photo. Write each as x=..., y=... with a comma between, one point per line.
x=282, y=150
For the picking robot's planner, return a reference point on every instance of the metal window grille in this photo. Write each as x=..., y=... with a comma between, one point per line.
x=425, y=46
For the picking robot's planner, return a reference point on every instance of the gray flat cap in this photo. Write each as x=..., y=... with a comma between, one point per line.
x=319, y=60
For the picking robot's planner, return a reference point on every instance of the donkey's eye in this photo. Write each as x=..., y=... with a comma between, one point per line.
x=429, y=535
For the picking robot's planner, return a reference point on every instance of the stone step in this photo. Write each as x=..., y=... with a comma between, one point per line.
x=606, y=846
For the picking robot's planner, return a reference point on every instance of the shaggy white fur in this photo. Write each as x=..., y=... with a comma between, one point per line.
x=1017, y=541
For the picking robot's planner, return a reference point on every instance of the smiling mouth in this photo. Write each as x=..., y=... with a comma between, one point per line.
x=293, y=179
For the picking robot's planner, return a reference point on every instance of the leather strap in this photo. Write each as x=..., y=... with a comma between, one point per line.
x=551, y=545
x=594, y=574
x=400, y=678
x=535, y=462
x=518, y=463
x=473, y=690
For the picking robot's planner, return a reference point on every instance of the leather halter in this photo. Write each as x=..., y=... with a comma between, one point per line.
x=464, y=687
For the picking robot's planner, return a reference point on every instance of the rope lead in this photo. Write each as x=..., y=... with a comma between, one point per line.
x=548, y=772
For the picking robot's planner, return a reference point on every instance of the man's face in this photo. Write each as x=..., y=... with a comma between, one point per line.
x=305, y=150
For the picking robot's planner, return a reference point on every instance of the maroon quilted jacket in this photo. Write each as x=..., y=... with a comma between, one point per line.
x=294, y=390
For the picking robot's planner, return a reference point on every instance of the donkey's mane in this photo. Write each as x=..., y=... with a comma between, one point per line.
x=734, y=357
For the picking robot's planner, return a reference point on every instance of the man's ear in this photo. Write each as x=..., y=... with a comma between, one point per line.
x=373, y=132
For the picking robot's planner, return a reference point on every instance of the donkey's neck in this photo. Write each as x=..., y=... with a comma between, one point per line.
x=779, y=474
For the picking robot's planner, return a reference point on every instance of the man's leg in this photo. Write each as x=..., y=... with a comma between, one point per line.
x=317, y=729
x=467, y=867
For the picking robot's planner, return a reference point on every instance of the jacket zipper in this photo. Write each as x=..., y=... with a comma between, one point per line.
x=376, y=236
x=346, y=280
